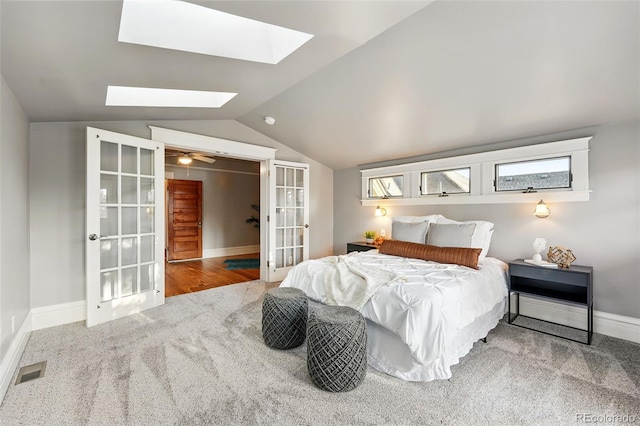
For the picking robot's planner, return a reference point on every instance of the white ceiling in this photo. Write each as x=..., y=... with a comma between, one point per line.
x=379, y=80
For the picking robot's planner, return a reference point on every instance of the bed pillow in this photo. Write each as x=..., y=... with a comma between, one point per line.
x=432, y=218
x=481, y=235
x=407, y=231
x=403, y=232
x=456, y=255
x=451, y=235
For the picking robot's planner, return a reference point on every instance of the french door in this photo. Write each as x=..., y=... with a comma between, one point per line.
x=125, y=225
x=288, y=217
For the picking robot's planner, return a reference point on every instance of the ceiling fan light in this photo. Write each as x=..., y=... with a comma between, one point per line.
x=183, y=159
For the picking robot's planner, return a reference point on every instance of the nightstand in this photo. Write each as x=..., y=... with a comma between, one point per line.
x=572, y=286
x=360, y=246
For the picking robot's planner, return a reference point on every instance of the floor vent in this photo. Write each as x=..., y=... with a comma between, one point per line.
x=31, y=372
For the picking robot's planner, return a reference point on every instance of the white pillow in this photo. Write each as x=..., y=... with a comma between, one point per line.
x=413, y=232
x=451, y=235
x=413, y=219
x=481, y=237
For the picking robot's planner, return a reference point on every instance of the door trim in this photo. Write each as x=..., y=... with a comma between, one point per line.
x=213, y=145
x=228, y=148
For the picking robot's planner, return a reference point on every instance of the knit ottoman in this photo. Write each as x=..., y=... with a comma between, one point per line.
x=284, y=317
x=336, y=348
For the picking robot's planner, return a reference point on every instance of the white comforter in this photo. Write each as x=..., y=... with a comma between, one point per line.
x=349, y=282
x=426, y=306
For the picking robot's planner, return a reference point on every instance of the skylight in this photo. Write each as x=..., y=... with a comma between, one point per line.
x=179, y=25
x=150, y=97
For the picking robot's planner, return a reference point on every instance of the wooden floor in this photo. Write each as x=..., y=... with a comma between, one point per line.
x=195, y=275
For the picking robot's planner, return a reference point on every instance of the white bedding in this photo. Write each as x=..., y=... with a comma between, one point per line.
x=349, y=282
x=426, y=308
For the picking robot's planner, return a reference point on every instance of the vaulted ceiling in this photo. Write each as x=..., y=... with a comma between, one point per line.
x=379, y=79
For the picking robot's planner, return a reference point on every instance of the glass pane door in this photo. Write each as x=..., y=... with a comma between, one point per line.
x=290, y=210
x=124, y=260
x=127, y=228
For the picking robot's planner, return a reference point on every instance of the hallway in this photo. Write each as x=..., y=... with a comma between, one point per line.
x=196, y=275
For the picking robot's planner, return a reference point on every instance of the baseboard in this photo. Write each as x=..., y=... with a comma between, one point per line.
x=619, y=326
x=12, y=358
x=64, y=313
x=230, y=251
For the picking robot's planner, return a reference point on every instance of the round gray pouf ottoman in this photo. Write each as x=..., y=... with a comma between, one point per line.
x=284, y=317
x=336, y=348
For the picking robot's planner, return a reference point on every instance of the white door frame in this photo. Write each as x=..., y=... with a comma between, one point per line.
x=233, y=149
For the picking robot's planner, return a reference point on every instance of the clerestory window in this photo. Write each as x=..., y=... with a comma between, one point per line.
x=532, y=175
x=445, y=182
x=386, y=187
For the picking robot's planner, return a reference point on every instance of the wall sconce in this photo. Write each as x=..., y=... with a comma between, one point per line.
x=380, y=211
x=541, y=210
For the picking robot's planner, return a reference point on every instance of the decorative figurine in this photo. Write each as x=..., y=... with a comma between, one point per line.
x=561, y=255
x=539, y=244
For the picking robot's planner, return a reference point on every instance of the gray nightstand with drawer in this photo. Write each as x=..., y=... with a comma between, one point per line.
x=573, y=286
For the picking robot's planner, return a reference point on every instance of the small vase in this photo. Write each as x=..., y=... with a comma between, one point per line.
x=369, y=240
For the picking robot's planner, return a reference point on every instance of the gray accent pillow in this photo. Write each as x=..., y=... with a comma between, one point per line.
x=411, y=232
x=451, y=235
x=481, y=236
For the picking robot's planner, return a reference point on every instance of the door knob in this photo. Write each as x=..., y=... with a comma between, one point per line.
x=306, y=225
x=93, y=237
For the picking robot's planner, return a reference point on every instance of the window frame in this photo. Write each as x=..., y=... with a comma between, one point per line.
x=443, y=193
x=532, y=189
x=386, y=197
x=482, y=175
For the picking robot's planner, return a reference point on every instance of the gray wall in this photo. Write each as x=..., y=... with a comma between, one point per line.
x=226, y=205
x=603, y=233
x=57, y=185
x=14, y=217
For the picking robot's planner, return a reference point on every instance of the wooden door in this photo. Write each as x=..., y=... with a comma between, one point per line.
x=184, y=219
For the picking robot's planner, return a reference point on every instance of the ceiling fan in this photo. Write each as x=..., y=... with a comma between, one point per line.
x=186, y=158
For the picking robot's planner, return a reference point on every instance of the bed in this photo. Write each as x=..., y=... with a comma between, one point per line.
x=422, y=316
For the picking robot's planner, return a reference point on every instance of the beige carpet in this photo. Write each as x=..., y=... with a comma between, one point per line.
x=200, y=359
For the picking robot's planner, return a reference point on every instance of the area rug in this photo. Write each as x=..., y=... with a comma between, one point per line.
x=242, y=263
x=200, y=360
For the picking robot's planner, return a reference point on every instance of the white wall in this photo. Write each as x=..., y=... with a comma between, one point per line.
x=14, y=217
x=603, y=232
x=57, y=184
